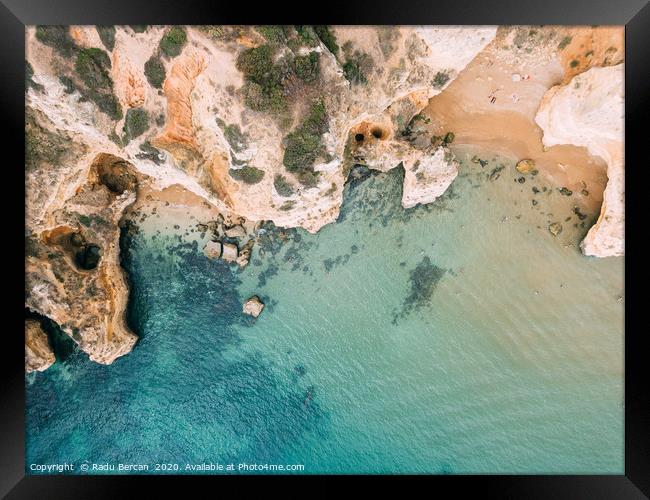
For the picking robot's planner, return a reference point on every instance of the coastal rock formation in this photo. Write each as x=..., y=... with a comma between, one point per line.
x=260, y=124
x=75, y=200
x=253, y=306
x=38, y=353
x=589, y=111
x=428, y=178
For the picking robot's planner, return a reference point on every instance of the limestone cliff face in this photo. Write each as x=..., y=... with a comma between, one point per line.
x=38, y=353
x=262, y=123
x=589, y=111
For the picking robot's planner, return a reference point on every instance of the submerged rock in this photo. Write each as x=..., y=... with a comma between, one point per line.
x=555, y=228
x=253, y=306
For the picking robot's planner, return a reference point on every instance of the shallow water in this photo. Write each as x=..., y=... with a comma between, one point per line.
x=461, y=337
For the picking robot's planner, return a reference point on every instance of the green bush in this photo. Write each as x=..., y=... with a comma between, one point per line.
x=107, y=36
x=235, y=137
x=93, y=66
x=273, y=33
x=249, y=175
x=328, y=38
x=154, y=70
x=29, y=82
x=172, y=42
x=57, y=37
x=440, y=79
x=139, y=28
x=303, y=145
x=307, y=35
x=136, y=123
x=41, y=145
x=564, y=42
x=282, y=186
x=257, y=64
x=263, y=90
x=357, y=66
x=307, y=67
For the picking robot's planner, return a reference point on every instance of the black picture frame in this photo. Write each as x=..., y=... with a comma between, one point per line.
x=634, y=14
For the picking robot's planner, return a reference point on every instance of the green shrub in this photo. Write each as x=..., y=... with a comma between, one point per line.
x=257, y=64
x=41, y=145
x=154, y=70
x=235, y=137
x=273, y=33
x=282, y=186
x=564, y=42
x=136, y=123
x=172, y=42
x=139, y=28
x=107, y=36
x=303, y=145
x=357, y=66
x=440, y=79
x=93, y=66
x=307, y=67
x=68, y=85
x=57, y=37
x=328, y=38
x=29, y=82
x=263, y=90
x=249, y=175
x=307, y=35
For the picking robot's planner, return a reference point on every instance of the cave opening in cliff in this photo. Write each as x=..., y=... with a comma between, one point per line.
x=377, y=133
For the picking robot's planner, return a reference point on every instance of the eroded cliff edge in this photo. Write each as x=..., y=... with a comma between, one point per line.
x=262, y=123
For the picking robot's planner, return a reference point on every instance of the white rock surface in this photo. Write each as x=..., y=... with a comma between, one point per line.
x=429, y=178
x=253, y=306
x=589, y=111
x=229, y=252
x=212, y=249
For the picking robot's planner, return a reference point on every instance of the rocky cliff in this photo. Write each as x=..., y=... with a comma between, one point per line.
x=589, y=111
x=261, y=123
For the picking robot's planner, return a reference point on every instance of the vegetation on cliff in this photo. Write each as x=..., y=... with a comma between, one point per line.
x=107, y=36
x=304, y=145
x=93, y=68
x=173, y=41
x=249, y=175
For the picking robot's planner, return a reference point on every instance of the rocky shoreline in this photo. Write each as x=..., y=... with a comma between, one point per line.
x=258, y=125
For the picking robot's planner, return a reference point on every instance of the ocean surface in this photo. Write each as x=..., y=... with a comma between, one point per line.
x=459, y=337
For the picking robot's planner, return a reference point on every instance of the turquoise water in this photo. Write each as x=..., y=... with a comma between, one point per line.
x=460, y=337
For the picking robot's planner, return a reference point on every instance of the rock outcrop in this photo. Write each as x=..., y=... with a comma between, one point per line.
x=589, y=111
x=38, y=353
x=261, y=123
x=253, y=306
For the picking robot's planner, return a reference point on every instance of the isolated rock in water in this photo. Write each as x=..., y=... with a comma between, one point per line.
x=38, y=353
x=230, y=252
x=589, y=111
x=253, y=306
x=525, y=166
x=429, y=178
x=212, y=249
x=555, y=228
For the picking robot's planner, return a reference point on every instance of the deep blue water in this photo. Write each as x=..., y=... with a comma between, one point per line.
x=459, y=337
